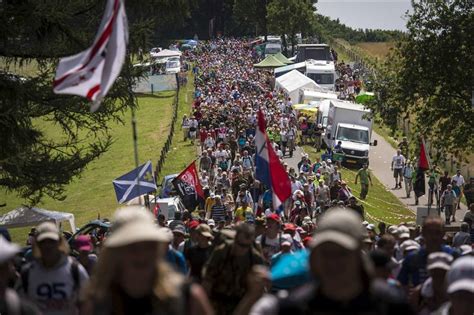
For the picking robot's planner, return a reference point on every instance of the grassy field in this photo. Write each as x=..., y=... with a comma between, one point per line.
x=181, y=152
x=377, y=50
x=380, y=204
x=92, y=194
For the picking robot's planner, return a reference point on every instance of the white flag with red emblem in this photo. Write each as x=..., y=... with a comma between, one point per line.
x=92, y=72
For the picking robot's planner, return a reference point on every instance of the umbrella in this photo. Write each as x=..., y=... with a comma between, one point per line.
x=364, y=97
x=291, y=270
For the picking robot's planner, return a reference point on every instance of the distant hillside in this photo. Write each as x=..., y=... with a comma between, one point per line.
x=336, y=29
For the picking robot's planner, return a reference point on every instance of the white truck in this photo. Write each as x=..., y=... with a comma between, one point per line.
x=322, y=72
x=348, y=123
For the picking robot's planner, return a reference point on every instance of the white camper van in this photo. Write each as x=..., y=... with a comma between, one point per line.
x=322, y=72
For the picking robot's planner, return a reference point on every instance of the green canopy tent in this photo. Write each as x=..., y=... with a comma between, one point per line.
x=270, y=63
x=282, y=58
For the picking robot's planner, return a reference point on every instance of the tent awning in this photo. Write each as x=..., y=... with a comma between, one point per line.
x=168, y=53
x=25, y=216
x=282, y=58
x=269, y=62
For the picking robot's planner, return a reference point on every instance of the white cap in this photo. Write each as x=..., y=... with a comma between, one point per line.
x=286, y=239
x=409, y=245
x=461, y=275
x=7, y=250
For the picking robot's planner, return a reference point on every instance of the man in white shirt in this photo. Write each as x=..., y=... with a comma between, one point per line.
x=398, y=162
x=54, y=279
x=459, y=179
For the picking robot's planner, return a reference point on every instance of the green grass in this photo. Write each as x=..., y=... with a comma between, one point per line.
x=92, y=193
x=380, y=204
x=379, y=50
x=181, y=153
x=387, y=134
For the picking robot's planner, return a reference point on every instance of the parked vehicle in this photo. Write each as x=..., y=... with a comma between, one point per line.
x=173, y=65
x=272, y=48
x=322, y=72
x=167, y=206
x=167, y=188
x=306, y=96
x=318, y=52
x=348, y=123
x=98, y=228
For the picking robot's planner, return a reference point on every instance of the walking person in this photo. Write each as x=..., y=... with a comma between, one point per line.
x=398, y=161
x=459, y=179
x=365, y=178
x=185, y=124
x=448, y=202
x=132, y=276
x=408, y=172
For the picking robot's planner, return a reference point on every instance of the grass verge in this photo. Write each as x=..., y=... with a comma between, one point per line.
x=380, y=205
x=92, y=193
x=181, y=152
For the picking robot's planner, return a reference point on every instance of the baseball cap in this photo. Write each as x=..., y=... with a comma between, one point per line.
x=193, y=224
x=83, y=243
x=404, y=235
x=340, y=226
x=307, y=220
x=461, y=275
x=132, y=225
x=439, y=260
x=409, y=245
x=365, y=223
x=289, y=227
x=370, y=227
x=392, y=229
x=273, y=217
x=205, y=230
x=211, y=222
x=7, y=250
x=47, y=230
x=180, y=229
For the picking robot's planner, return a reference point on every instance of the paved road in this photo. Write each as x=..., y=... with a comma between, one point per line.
x=380, y=160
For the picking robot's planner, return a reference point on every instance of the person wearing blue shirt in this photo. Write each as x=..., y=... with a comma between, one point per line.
x=413, y=271
x=176, y=259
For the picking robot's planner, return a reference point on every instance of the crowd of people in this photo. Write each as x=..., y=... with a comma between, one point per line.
x=235, y=253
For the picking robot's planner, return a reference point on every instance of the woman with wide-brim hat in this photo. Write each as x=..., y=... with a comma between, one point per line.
x=132, y=277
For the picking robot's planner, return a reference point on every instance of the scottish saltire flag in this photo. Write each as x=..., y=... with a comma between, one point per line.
x=128, y=187
x=92, y=72
x=269, y=170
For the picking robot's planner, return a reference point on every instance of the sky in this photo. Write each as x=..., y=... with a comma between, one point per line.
x=374, y=14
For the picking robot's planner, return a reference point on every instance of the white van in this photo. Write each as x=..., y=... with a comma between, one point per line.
x=173, y=65
x=322, y=72
x=167, y=206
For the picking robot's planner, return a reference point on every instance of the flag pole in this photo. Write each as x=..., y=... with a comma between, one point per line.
x=134, y=103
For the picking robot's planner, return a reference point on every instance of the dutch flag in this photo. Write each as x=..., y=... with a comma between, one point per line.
x=269, y=170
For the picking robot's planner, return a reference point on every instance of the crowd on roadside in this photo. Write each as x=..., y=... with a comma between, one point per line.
x=235, y=254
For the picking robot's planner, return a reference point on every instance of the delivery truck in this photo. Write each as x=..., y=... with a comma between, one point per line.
x=351, y=125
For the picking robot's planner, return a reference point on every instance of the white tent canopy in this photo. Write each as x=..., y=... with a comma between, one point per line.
x=293, y=81
x=166, y=53
x=25, y=216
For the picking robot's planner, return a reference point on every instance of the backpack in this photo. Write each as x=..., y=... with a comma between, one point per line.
x=25, y=275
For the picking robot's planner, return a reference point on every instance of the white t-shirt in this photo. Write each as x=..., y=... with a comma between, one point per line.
x=459, y=179
x=52, y=290
x=398, y=161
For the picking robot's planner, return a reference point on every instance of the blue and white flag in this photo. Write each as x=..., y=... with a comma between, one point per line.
x=127, y=187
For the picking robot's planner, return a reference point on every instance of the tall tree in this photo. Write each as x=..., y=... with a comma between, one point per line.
x=33, y=162
x=429, y=78
x=290, y=17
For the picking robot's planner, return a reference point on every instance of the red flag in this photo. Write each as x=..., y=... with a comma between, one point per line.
x=188, y=186
x=423, y=161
